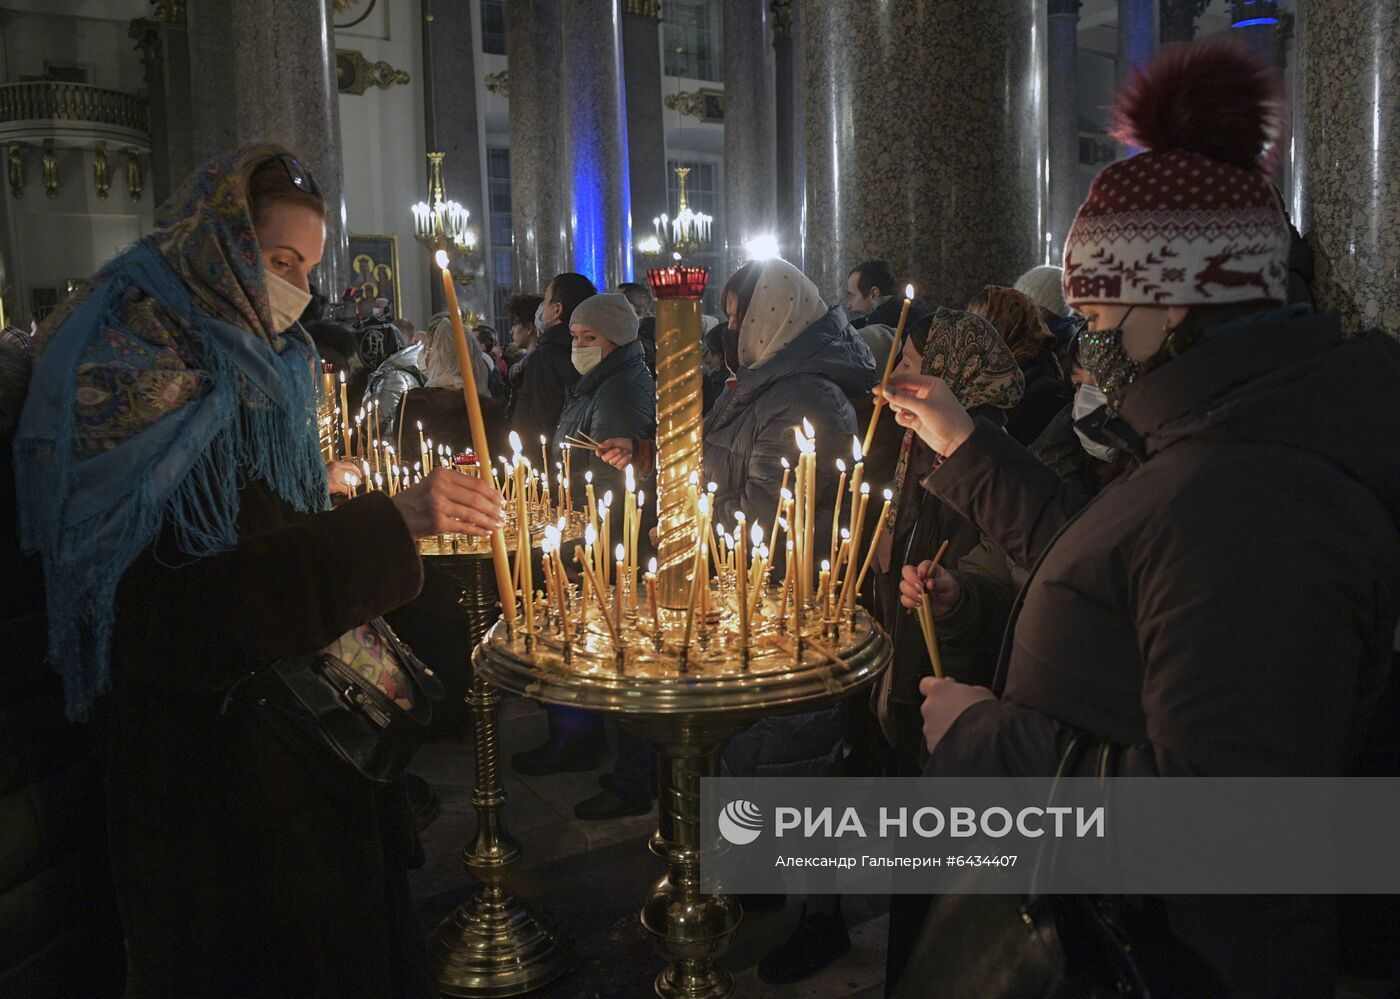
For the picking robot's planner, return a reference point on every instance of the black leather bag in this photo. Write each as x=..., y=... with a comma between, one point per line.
x=337, y=721
x=1019, y=947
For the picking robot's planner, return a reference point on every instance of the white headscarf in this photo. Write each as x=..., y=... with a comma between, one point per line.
x=440, y=358
x=784, y=304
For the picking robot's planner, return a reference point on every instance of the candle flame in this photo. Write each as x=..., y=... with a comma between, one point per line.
x=857, y=454
x=694, y=478
x=553, y=535
x=515, y=442
x=342, y=378
x=787, y=494
x=703, y=505
x=420, y=424
x=840, y=466
x=620, y=552
x=756, y=535
x=865, y=489
x=785, y=463
x=826, y=565
x=888, y=495
x=631, y=479
x=739, y=519
x=845, y=533
x=607, y=499
x=909, y=291
x=807, y=428
x=542, y=440
x=651, y=566
x=641, y=498
x=441, y=258
x=590, y=535
x=562, y=523
x=712, y=488
x=588, y=477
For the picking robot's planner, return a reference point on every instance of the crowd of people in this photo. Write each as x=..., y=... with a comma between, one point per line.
x=1168, y=529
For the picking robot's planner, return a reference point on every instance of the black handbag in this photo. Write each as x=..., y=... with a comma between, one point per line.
x=339, y=722
x=1018, y=947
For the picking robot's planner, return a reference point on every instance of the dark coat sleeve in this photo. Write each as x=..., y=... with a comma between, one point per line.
x=987, y=583
x=546, y=379
x=625, y=405
x=196, y=626
x=1255, y=655
x=1012, y=498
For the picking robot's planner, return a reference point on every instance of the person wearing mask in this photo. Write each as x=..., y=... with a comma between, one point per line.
x=548, y=375
x=614, y=403
x=170, y=480
x=793, y=358
x=1018, y=320
x=1240, y=587
x=640, y=297
x=520, y=309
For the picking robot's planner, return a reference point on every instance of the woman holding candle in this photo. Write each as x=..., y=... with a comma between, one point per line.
x=968, y=355
x=793, y=359
x=168, y=476
x=1227, y=608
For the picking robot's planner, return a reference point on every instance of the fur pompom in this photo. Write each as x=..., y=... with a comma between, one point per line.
x=1213, y=98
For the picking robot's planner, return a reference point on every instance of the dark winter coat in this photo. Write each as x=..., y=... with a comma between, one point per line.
x=59, y=933
x=747, y=435
x=616, y=399
x=239, y=872
x=443, y=413
x=1227, y=608
x=750, y=429
x=1046, y=394
x=886, y=313
x=547, y=376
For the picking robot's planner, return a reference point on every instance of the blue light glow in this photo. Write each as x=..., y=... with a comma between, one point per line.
x=1253, y=21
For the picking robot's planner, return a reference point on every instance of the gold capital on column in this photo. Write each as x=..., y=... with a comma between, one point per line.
x=642, y=8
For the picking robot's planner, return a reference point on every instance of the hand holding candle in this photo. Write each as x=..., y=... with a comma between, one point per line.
x=895, y=348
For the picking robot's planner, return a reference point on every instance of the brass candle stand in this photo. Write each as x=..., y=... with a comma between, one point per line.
x=686, y=709
x=492, y=944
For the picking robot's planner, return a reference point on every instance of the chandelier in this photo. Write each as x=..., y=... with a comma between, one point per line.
x=442, y=225
x=683, y=236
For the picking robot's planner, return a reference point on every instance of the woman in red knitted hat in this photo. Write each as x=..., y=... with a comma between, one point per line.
x=1226, y=609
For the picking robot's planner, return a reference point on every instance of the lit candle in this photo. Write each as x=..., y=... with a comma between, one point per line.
x=499, y=559
x=822, y=581
x=782, y=493
x=895, y=349
x=592, y=503
x=522, y=532
x=618, y=587
x=422, y=444
x=697, y=585
x=344, y=416
x=590, y=537
x=836, y=515
x=652, y=601
x=742, y=578
x=596, y=585
x=858, y=507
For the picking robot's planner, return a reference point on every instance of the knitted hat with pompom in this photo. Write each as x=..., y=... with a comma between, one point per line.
x=1193, y=219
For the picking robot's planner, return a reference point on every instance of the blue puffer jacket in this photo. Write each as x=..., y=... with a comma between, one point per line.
x=747, y=435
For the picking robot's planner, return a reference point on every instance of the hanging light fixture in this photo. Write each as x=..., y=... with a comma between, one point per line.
x=686, y=234
x=442, y=224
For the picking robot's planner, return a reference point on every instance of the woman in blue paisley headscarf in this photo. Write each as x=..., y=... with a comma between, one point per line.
x=170, y=480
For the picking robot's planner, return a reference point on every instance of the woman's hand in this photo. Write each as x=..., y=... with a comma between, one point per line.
x=944, y=701
x=943, y=589
x=928, y=407
x=448, y=502
x=343, y=477
x=616, y=451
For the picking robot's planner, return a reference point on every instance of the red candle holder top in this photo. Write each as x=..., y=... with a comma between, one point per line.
x=678, y=282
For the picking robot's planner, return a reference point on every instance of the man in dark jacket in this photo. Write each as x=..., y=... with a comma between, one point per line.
x=548, y=375
x=872, y=298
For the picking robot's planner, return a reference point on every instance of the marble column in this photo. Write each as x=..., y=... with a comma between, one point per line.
x=928, y=155
x=597, y=182
x=539, y=214
x=165, y=60
x=1347, y=163
x=787, y=93
x=646, y=137
x=1137, y=36
x=750, y=147
x=452, y=127
x=1253, y=24
x=264, y=70
x=1062, y=71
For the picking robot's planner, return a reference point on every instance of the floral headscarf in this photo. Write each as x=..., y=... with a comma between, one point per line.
x=784, y=304
x=1019, y=321
x=156, y=391
x=968, y=354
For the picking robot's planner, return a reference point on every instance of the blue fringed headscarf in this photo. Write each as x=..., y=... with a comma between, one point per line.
x=155, y=394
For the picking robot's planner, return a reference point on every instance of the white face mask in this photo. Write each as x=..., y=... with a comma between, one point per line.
x=586, y=358
x=539, y=318
x=1089, y=399
x=286, y=301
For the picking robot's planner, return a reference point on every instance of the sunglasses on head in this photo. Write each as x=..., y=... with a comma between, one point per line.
x=300, y=177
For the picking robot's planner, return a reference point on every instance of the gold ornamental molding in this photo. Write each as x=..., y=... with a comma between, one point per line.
x=47, y=100
x=782, y=18
x=498, y=83
x=354, y=74
x=642, y=8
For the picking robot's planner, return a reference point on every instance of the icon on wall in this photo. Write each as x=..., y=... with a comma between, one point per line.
x=374, y=268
